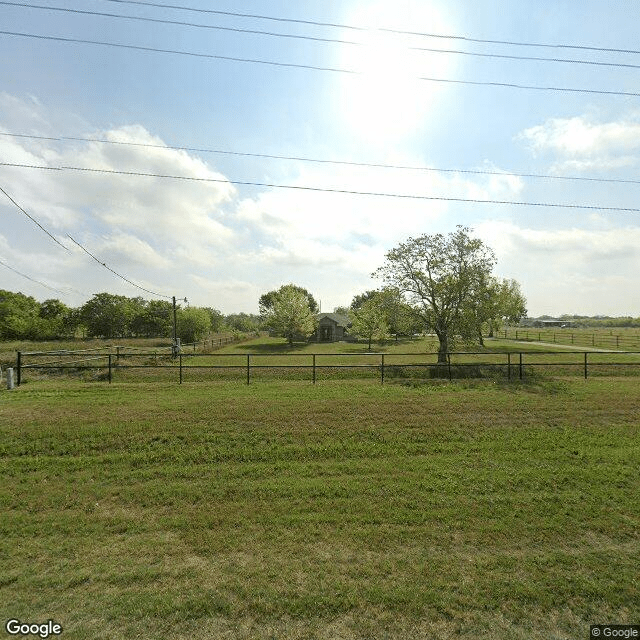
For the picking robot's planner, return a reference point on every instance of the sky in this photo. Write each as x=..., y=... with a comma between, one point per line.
x=330, y=101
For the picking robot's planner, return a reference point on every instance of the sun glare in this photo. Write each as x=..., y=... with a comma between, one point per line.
x=387, y=100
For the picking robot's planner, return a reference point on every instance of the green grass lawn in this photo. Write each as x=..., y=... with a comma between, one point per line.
x=344, y=510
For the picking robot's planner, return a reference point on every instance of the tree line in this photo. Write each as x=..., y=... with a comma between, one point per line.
x=112, y=316
x=434, y=283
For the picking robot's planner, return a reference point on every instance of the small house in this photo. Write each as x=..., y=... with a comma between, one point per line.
x=332, y=327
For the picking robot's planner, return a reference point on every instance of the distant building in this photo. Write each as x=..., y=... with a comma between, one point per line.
x=332, y=327
x=563, y=324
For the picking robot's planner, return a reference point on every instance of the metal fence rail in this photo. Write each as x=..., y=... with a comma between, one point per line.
x=382, y=365
x=568, y=336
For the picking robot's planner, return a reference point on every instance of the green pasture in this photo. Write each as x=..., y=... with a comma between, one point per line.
x=472, y=509
x=623, y=338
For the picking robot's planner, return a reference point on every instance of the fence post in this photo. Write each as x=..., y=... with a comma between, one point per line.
x=314, y=368
x=248, y=368
x=382, y=371
x=180, y=368
x=19, y=367
x=449, y=365
x=118, y=354
x=110, y=374
x=521, y=365
x=585, y=365
x=617, y=341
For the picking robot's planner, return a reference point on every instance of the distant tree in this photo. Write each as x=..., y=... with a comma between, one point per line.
x=342, y=311
x=290, y=314
x=217, y=319
x=73, y=323
x=193, y=324
x=245, y=322
x=360, y=299
x=53, y=314
x=153, y=319
x=109, y=316
x=440, y=275
x=399, y=316
x=512, y=305
x=267, y=300
x=368, y=321
x=19, y=317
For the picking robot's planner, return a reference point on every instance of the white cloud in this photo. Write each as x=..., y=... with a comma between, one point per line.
x=569, y=245
x=128, y=249
x=580, y=143
x=583, y=270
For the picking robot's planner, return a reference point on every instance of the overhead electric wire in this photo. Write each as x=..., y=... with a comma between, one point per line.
x=311, y=67
x=34, y=220
x=42, y=284
x=103, y=264
x=181, y=23
x=237, y=14
x=408, y=196
x=349, y=163
x=119, y=16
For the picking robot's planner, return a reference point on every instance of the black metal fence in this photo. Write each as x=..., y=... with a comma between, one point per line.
x=605, y=339
x=126, y=365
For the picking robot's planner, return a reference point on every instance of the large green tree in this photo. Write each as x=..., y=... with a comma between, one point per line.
x=368, y=321
x=398, y=315
x=19, y=317
x=441, y=277
x=267, y=300
x=193, y=324
x=153, y=319
x=109, y=316
x=290, y=314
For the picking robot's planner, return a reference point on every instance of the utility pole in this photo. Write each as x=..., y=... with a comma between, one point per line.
x=175, y=322
x=175, y=349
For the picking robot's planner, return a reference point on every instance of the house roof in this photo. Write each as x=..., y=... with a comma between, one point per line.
x=339, y=319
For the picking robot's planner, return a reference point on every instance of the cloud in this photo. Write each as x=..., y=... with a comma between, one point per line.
x=343, y=218
x=185, y=216
x=125, y=249
x=587, y=270
x=569, y=245
x=580, y=143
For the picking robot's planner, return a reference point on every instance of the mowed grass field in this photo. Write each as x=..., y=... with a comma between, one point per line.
x=349, y=509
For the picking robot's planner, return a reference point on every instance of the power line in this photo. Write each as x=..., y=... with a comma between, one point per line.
x=42, y=284
x=375, y=165
x=236, y=14
x=181, y=23
x=160, y=295
x=530, y=58
x=33, y=220
x=293, y=65
x=396, y=31
x=316, y=39
x=407, y=196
